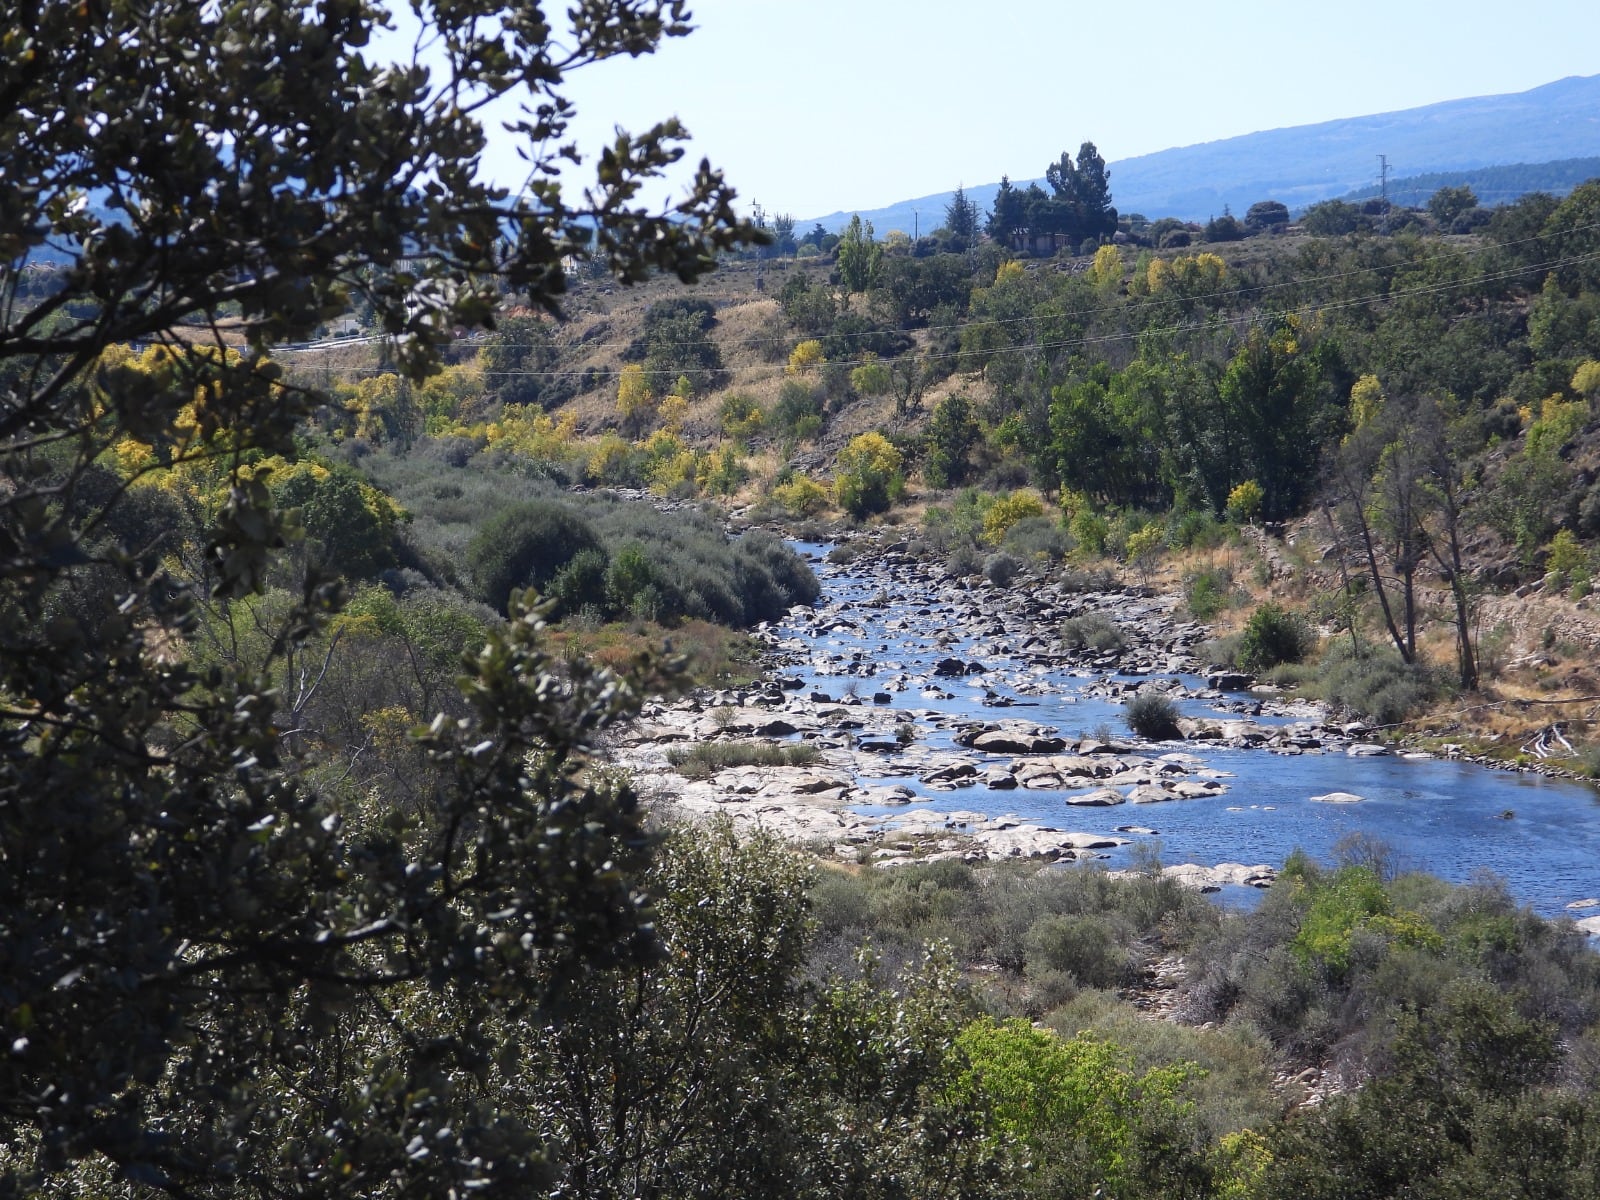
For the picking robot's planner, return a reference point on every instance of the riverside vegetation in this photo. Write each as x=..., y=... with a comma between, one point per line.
x=311, y=879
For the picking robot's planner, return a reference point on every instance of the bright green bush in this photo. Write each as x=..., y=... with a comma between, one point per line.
x=1206, y=593
x=1273, y=635
x=1091, y=1123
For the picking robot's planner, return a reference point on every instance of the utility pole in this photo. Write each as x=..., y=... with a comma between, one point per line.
x=760, y=219
x=1383, y=192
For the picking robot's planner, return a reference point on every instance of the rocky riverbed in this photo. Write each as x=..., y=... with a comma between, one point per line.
x=866, y=680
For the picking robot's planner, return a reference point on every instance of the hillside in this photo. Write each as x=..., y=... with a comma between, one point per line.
x=1303, y=164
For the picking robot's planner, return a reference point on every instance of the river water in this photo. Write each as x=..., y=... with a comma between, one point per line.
x=1449, y=818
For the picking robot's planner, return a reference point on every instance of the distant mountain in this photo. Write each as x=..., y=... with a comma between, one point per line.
x=1491, y=185
x=1307, y=163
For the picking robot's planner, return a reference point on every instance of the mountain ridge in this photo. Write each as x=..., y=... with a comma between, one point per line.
x=1303, y=164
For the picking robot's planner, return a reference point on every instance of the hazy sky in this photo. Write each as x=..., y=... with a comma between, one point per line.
x=850, y=104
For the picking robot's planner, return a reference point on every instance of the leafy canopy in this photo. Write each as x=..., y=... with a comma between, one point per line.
x=223, y=971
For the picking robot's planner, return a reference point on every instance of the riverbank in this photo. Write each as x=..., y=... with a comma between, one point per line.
x=945, y=718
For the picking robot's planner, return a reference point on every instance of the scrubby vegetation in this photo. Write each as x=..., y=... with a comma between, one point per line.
x=1429, y=1012
x=1154, y=716
x=1092, y=631
x=706, y=758
x=313, y=879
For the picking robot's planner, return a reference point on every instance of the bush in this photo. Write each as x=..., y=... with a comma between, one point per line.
x=1001, y=569
x=1006, y=511
x=581, y=584
x=1377, y=685
x=1092, y=631
x=963, y=561
x=1154, y=716
x=1087, y=580
x=1273, y=635
x=1192, y=527
x=700, y=759
x=797, y=415
x=1090, y=530
x=1038, y=538
x=740, y=416
x=871, y=378
x=525, y=546
x=801, y=496
x=868, y=478
x=1206, y=593
x=1084, y=947
x=1245, y=501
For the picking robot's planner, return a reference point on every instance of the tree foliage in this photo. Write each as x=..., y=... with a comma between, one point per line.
x=223, y=972
x=868, y=477
x=961, y=217
x=859, y=256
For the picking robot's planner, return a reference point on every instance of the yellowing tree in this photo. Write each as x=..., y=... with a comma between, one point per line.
x=1006, y=512
x=1586, y=379
x=1366, y=400
x=1188, y=275
x=635, y=401
x=806, y=357
x=868, y=475
x=1106, y=270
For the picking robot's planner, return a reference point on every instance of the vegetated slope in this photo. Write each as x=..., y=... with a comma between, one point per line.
x=1303, y=164
x=1491, y=185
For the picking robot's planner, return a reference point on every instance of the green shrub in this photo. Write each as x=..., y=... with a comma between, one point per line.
x=1376, y=684
x=581, y=584
x=1087, y=580
x=631, y=583
x=1092, y=631
x=1084, y=947
x=1206, y=593
x=1090, y=530
x=1038, y=538
x=774, y=578
x=963, y=561
x=1001, y=569
x=1154, y=716
x=700, y=759
x=797, y=416
x=740, y=416
x=1273, y=635
x=1193, y=527
x=525, y=546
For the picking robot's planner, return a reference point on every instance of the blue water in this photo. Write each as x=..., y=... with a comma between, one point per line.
x=1445, y=817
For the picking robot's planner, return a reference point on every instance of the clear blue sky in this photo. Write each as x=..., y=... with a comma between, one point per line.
x=851, y=104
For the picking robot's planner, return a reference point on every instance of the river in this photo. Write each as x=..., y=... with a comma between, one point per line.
x=1450, y=818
